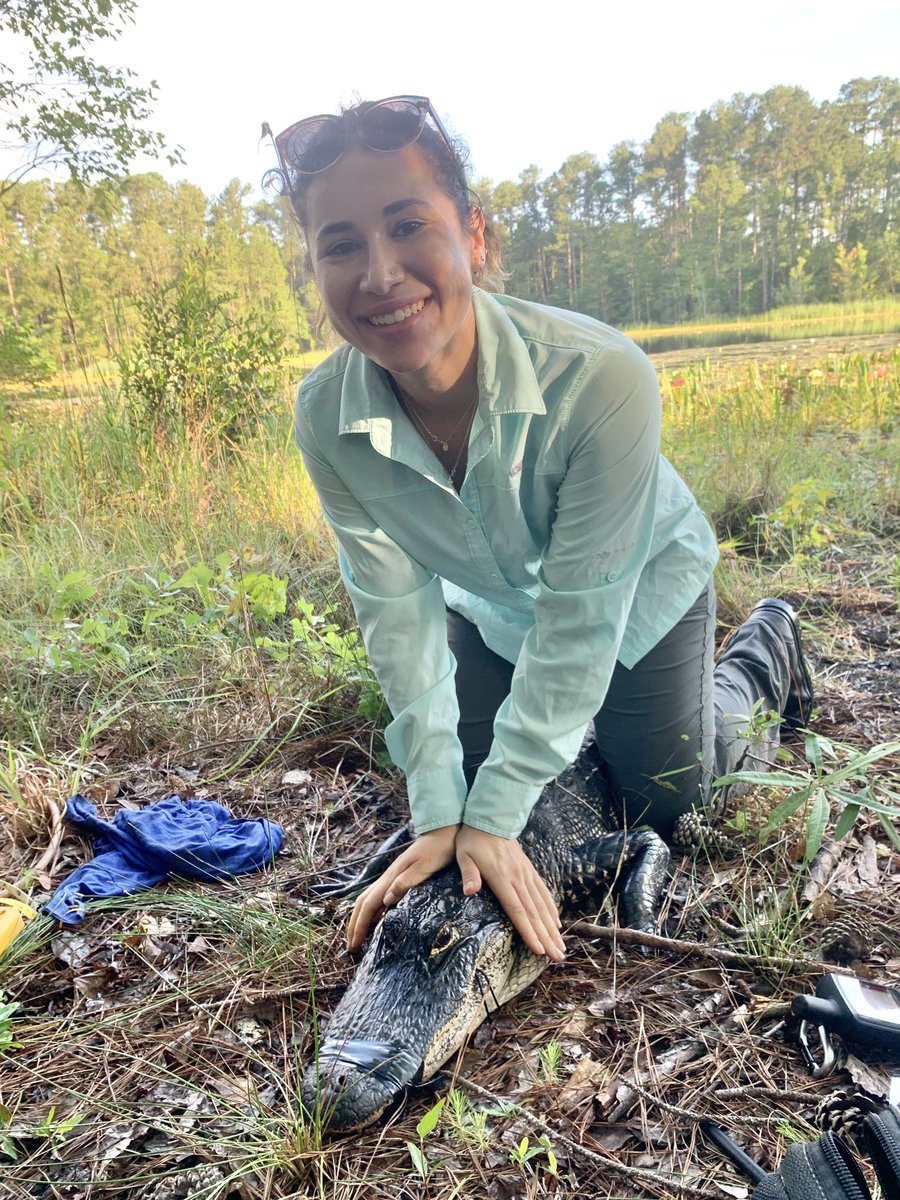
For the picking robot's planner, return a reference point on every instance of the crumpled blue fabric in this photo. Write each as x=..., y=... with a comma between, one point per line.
x=195, y=838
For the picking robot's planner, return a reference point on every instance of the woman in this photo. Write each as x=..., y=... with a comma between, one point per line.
x=520, y=557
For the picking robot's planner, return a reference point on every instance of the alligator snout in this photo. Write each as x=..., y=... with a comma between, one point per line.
x=353, y=1081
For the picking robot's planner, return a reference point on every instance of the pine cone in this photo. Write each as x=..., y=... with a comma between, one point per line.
x=201, y=1180
x=847, y=939
x=844, y=1111
x=693, y=831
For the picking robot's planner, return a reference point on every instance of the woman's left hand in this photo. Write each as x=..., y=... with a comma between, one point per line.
x=427, y=854
x=504, y=866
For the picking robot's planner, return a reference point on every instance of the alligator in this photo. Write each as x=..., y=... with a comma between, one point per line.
x=439, y=962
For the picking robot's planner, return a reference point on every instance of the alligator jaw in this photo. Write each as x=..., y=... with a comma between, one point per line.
x=405, y=1015
x=353, y=1081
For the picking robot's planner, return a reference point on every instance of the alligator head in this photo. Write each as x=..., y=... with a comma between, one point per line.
x=437, y=964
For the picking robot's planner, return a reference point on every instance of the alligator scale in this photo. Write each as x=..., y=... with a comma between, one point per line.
x=440, y=961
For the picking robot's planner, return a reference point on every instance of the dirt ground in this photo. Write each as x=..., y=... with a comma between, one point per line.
x=174, y=1028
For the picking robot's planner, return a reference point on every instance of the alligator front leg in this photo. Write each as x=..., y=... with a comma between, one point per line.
x=638, y=857
x=377, y=865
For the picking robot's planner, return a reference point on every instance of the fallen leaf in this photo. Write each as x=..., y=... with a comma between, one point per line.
x=239, y=1092
x=576, y=1026
x=874, y=1078
x=583, y=1084
x=155, y=927
x=610, y=1137
x=94, y=985
x=296, y=778
x=866, y=862
x=72, y=948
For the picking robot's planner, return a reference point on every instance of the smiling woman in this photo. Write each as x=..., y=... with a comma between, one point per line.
x=521, y=558
x=394, y=266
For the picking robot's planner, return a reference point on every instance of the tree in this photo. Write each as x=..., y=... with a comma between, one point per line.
x=65, y=107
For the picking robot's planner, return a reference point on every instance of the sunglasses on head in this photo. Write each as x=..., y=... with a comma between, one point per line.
x=316, y=143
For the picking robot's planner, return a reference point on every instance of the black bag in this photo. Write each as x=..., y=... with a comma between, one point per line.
x=827, y=1169
x=883, y=1140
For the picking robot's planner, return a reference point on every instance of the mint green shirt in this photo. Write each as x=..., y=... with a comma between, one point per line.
x=572, y=543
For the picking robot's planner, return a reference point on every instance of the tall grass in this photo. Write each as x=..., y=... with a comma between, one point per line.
x=103, y=532
x=97, y=524
x=831, y=317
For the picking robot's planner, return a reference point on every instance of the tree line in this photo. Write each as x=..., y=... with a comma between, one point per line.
x=759, y=201
x=78, y=261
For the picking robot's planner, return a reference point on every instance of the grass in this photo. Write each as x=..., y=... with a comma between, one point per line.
x=815, y=321
x=173, y=621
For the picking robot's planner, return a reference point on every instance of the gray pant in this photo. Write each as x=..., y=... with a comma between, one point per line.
x=668, y=727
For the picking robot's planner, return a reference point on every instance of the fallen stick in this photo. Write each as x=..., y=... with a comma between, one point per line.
x=636, y=937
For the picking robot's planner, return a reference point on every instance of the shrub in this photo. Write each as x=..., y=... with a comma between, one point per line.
x=197, y=368
x=22, y=357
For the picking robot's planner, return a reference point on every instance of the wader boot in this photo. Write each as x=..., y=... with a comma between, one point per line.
x=761, y=670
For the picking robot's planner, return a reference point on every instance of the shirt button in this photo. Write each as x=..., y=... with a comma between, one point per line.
x=470, y=524
x=495, y=577
x=612, y=576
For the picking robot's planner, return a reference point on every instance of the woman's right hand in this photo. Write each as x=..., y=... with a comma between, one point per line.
x=428, y=854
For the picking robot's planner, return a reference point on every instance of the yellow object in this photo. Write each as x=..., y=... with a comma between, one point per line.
x=13, y=915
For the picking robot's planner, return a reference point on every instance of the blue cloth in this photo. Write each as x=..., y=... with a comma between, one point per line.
x=198, y=839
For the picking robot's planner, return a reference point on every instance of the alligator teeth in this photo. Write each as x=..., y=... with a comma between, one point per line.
x=401, y=314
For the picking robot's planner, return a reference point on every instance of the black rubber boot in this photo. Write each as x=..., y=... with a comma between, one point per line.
x=781, y=620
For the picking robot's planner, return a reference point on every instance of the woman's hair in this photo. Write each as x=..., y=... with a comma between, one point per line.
x=449, y=163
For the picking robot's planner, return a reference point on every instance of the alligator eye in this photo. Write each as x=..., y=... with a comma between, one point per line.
x=444, y=939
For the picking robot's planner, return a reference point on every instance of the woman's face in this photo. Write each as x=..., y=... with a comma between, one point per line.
x=394, y=264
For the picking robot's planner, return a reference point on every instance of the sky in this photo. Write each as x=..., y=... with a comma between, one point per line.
x=524, y=83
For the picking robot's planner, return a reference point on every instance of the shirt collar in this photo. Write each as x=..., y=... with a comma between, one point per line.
x=506, y=379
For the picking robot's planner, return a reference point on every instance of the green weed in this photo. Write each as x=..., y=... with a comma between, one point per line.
x=424, y=1129
x=833, y=772
x=524, y=1154
x=466, y=1124
x=7, y=1012
x=550, y=1062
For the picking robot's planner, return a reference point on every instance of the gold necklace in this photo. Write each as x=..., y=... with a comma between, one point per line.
x=463, y=445
x=444, y=443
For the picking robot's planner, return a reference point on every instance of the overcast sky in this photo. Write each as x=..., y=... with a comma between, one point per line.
x=523, y=82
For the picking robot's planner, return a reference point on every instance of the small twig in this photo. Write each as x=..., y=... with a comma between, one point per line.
x=292, y=989
x=598, y=1160
x=735, y=931
x=636, y=937
x=762, y=1093
x=690, y=1115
